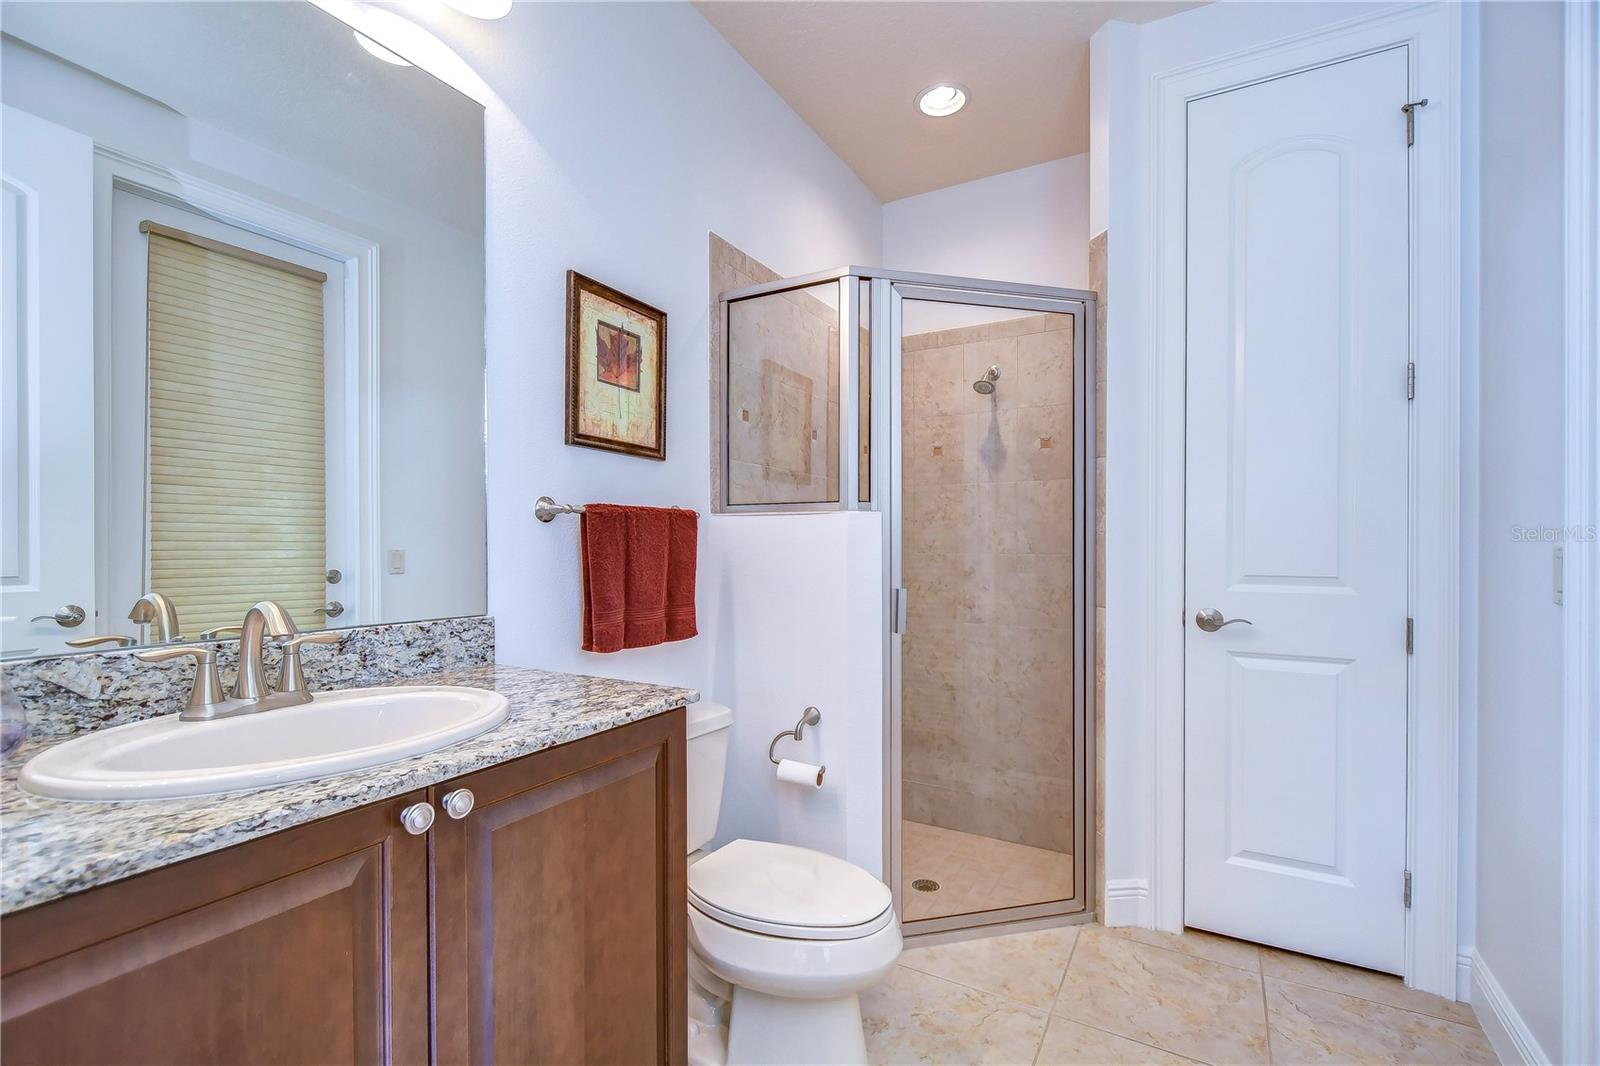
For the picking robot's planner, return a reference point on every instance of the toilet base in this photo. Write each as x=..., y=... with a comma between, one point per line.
x=766, y=1030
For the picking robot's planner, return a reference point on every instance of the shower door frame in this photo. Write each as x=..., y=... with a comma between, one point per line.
x=889, y=292
x=881, y=309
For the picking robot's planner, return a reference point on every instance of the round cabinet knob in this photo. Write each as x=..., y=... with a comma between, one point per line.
x=417, y=818
x=458, y=802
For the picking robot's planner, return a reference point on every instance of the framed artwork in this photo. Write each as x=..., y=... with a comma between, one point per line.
x=616, y=370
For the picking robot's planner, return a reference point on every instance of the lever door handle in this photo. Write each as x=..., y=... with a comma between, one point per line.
x=1210, y=619
x=66, y=616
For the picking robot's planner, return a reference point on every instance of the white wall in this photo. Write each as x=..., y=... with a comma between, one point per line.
x=1519, y=728
x=1029, y=225
x=622, y=178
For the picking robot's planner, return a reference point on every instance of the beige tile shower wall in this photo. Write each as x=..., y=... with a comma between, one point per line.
x=987, y=699
x=783, y=391
x=730, y=269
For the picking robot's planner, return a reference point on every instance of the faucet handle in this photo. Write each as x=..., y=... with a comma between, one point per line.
x=291, y=676
x=207, y=690
x=101, y=638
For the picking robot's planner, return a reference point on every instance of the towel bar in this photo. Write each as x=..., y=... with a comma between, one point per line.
x=545, y=509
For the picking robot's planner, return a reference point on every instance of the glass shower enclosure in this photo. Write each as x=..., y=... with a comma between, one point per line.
x=962, y=410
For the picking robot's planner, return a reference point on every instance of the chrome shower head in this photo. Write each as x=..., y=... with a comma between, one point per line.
x=984, y=386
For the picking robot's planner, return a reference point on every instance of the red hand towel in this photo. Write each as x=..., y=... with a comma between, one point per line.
x=638, y=575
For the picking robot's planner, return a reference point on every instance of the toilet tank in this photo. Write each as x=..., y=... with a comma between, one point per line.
x=707, y=763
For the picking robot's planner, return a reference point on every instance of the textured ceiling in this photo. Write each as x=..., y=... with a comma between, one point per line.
x=852, y=70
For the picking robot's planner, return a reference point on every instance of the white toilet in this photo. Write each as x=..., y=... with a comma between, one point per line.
x=781, y=939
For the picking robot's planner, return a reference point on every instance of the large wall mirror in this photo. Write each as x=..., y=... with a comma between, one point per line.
x=243, y=326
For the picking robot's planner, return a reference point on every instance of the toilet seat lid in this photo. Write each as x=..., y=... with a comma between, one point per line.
x=788, y=891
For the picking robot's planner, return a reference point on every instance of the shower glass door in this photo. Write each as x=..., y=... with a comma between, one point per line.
x=989, y=498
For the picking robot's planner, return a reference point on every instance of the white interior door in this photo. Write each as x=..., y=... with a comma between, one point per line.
x=1297, y=497
x=47, y=518
x=126, y=523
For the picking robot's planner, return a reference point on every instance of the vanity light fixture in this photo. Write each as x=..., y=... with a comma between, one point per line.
x=942, y=100
x=373, y=48
x=482, y=9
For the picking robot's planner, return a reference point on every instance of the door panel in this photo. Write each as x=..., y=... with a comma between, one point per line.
x=990, y=495
x=560, y=913
x=46, y=386
x=306, y=946
x=1297, y=500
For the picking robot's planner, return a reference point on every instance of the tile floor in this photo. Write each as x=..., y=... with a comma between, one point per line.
x=1087, y=994
x=977, y=873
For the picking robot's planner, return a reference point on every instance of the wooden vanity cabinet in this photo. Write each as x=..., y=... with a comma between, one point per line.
x=559, y=905
x=309, y=945
x=546, y=925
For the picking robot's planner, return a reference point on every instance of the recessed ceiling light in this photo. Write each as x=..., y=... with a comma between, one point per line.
x=482, y=9
x=942, y=100
x=373, y=48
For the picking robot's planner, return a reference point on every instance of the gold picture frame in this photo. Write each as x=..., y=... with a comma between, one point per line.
x=616, y=370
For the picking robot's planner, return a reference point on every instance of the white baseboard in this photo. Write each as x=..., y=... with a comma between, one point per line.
x=1508, y=1034
x=1128, y=903
x=1464, y=976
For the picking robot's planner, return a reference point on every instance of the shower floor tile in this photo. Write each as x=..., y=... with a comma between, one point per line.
x=976, y=873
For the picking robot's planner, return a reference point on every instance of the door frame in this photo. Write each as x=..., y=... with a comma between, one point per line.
x=1432, y=35
x=122, y=400
x=362, y=384
x=1581, y=624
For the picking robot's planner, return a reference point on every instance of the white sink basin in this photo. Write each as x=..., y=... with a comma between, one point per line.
x=353, y=729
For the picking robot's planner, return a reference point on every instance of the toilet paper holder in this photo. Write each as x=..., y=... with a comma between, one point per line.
x=812, y=716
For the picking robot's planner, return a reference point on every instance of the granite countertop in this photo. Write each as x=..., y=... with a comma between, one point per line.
x=51, y=848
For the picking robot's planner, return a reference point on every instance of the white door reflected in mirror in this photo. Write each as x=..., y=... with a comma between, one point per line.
x=243, y=324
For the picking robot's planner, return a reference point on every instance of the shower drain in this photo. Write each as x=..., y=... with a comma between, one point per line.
x=925, y=884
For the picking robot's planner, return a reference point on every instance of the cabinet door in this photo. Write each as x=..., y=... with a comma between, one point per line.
x=306, y=946
x=559, y=905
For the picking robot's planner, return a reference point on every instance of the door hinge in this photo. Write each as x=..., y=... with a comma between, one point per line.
x=1411, y=635
x=898, y=610
x=1411, y=119
x=1411, y=381
x=1406, y=891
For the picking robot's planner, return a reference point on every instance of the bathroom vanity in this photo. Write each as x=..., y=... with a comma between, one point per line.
x=518, y=897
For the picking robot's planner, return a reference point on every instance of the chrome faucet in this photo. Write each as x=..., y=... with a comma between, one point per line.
x=251, y=692
x=263, y=619
x=155, y=609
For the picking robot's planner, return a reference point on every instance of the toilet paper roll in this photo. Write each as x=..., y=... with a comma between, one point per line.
x=801, y=773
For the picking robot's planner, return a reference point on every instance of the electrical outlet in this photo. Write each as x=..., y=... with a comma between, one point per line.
x=397, y=561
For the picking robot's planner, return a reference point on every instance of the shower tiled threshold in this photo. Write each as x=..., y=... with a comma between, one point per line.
x=1087, y=994
x=976, y=873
